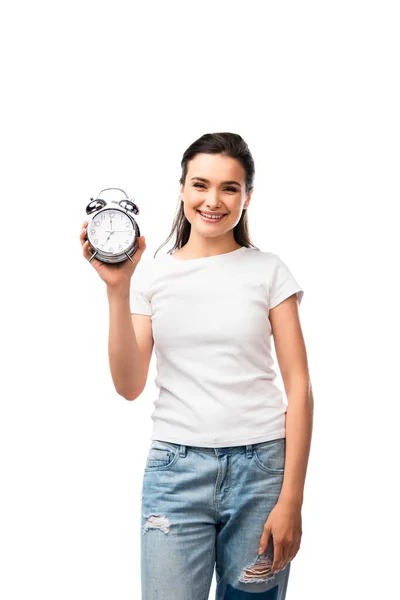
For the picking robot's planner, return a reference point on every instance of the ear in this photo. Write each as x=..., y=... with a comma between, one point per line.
x=248, y=198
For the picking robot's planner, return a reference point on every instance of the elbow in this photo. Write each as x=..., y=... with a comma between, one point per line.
x=130, y=396
x=129, y=392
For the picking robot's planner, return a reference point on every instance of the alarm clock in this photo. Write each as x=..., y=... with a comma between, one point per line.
x=112, y=231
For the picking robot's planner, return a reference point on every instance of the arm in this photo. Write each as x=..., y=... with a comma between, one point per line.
x=292, y=359
x=123, y=349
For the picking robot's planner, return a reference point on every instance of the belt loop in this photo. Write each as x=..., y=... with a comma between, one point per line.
x=182, y=450
x=249, y=450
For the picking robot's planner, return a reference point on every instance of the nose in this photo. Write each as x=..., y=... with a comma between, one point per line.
x=212, y=201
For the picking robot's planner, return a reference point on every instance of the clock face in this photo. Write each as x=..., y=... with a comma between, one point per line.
x=111, y=231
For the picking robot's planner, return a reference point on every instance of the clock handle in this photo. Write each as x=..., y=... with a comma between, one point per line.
x=98, y=203
x=127, y=204
x=111, y=188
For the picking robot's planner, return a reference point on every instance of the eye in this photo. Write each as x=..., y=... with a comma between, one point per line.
x=232, y=189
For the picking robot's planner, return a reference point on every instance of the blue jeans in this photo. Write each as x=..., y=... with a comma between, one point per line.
x=204, y=508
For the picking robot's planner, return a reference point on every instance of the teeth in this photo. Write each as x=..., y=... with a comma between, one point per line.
x=211, y=217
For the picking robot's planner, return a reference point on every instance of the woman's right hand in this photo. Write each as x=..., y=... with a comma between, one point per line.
x=116, y=274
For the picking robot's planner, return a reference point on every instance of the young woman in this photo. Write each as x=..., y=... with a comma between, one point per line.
x=224, y=478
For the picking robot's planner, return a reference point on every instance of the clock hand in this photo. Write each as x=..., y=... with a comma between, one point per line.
x=110, y=232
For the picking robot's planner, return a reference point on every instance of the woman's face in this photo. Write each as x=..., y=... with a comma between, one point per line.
x=214, y=184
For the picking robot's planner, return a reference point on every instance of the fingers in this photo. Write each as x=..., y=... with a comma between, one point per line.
x=277, y=564
x=83, y=232
x=140, y=249
x=85, y=243
x=280, y=562
x=142, y=245
x=87, y=253
x=283, y=554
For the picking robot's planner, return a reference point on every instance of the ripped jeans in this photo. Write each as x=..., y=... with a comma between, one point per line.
x=205, y=508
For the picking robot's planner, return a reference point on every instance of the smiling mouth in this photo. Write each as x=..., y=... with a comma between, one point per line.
x=211, y=218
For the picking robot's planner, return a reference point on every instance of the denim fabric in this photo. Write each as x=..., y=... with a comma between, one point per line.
x=205, y=508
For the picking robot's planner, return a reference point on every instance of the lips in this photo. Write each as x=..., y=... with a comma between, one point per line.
x=221, y=215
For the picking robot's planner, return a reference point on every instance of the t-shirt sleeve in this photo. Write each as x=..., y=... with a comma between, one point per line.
x=283, y=284
x=139, y=292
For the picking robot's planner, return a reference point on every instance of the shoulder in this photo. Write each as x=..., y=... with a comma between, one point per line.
x=267, y=261
x=149, y=265
x=274, y=264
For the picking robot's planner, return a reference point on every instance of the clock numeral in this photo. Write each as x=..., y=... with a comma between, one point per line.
x=97, y=223
x=120, y=247
x=111, y=249
x=112, y=214
x=96, y=241
x=126, y=241
x=92, y=231
x=102, y=216
x=130, y=232
x=127, y=224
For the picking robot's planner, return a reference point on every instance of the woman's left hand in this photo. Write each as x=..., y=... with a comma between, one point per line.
x=284, y=524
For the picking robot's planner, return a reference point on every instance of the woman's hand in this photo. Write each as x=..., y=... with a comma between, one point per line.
x=117, y=274
x=284, y=524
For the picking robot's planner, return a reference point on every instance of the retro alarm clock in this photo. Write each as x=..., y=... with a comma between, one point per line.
x=112, y=231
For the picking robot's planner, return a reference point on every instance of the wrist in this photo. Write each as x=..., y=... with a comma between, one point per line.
x=119, y=291
x=291, y=500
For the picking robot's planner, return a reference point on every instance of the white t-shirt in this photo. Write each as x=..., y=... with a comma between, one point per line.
x=212, y=339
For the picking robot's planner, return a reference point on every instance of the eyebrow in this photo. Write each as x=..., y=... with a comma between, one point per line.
x=207, y=181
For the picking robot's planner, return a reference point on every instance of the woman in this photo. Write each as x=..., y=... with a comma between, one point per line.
x=224, y=478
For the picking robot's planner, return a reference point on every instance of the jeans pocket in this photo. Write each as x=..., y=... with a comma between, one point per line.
x=270, y=456
x=161, y=456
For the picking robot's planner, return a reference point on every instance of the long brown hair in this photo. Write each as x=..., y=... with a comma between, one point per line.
x=228, y=144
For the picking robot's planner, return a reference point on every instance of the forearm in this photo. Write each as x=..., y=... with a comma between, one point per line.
x=299, y=422
x=123, y=350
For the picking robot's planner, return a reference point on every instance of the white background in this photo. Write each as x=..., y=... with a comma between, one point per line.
x=99, y=94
